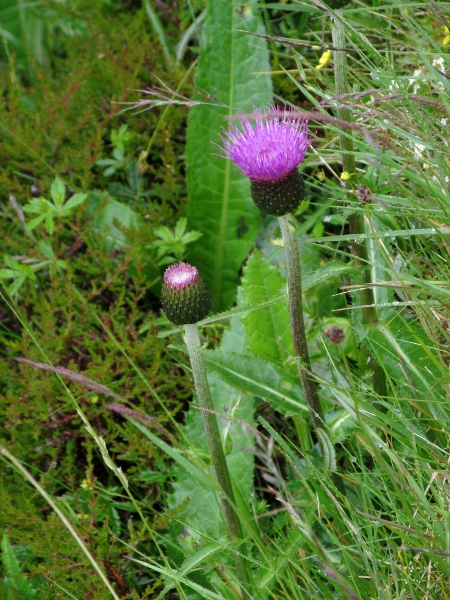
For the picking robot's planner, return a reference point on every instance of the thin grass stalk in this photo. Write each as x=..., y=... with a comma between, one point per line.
x=226, y=495
x=78, y=539
x=356, y=219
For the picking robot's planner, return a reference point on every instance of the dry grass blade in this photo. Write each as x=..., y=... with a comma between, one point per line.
x=90, y=384
x=144, y=419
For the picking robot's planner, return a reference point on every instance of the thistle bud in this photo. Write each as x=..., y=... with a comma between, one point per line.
x=336, y=3
x=335, y=334
x=279, y=197
x=184, y=296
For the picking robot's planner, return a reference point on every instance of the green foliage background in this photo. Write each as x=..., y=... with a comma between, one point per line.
x=92, y=305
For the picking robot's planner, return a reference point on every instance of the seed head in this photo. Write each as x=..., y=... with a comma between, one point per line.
x=184, y=296
x=268, y=153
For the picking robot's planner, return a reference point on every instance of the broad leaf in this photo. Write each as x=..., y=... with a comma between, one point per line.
x=195, y=503
x=259, y=378
x=111, y=218
x=268, y=329
x=220, y=206
x=15, y=585
x=201, y=509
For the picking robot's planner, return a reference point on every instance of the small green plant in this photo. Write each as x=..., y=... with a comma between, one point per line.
x=19, y=269
x=54, y=209
x=15, y=584
x=25, y=269
x=172, y=244
x=120, y=138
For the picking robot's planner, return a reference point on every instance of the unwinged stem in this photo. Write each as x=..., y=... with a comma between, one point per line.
x=294, y=277
x=227, y=498
x=356, y=220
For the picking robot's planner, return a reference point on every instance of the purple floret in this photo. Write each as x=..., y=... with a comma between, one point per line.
x=180, y=275
x=269, y=150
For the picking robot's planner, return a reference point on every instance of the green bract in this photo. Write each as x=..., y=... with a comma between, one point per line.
x=184, y=296
x=280, y=197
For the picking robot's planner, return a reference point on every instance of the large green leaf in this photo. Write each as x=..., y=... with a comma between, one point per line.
x=268, y=329
x=196, y=502
x=200, y=505
x=259, y=378
x=220, y=206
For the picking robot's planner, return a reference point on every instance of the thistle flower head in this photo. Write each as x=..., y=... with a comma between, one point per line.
x=184, y=296
x=335, y=334
x=269, y=150
x=269, y=153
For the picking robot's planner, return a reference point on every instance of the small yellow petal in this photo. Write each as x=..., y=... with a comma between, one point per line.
x=446, y=40
x=324, y=59
x=345, y=176
x=94, y=399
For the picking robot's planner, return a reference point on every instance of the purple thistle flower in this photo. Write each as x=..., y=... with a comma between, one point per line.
x=180, y=275
x=269, y=150
x=184, y=296
x=269, y=153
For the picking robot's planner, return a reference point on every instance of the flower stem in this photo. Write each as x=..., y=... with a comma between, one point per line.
x=226, y=495
x=294, y=278
x=356, y=220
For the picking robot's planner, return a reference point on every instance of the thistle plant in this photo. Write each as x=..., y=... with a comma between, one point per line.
x=186, y=301
x=356, y=219
x=269, y=154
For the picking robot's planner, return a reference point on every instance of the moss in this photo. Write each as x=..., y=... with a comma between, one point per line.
x=87, y=317
x=61, y=124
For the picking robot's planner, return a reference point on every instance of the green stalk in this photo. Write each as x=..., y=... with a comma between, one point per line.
x=356, y=220
x=294, y=277
x=226, y=495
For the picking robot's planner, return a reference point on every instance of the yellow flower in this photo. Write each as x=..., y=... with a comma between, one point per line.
x=324, y=59
x=345, y=176
x=94, y=399
x=447, y=37
x=86, y=484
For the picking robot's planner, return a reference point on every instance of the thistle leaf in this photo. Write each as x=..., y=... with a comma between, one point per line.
x=220, y=206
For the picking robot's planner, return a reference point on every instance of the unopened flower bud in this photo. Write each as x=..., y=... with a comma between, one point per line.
x=335, y=334
x=184, y=296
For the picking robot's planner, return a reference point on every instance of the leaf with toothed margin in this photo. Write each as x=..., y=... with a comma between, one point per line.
x=259, y=378
x=268, y=329
x=232, y=68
